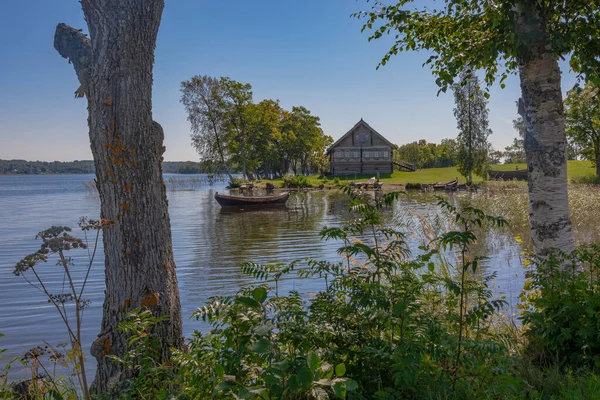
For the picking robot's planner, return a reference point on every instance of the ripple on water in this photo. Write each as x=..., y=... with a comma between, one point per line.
x=208, y=245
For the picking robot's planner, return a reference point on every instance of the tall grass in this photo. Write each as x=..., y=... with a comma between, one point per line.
x=509, y=199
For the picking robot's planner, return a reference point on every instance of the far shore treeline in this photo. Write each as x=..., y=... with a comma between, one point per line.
x=23, y=167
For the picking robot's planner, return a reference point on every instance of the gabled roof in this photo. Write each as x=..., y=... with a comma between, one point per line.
x=358, y=124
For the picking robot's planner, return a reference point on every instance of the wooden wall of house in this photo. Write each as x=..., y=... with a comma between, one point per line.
x=352, y=143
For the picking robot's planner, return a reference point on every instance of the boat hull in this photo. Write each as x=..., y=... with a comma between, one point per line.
x=252, y=201
x=520, y=175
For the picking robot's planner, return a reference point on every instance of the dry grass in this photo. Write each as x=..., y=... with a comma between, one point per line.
x=510, y=200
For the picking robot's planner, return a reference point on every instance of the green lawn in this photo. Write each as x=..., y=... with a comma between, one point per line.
x=434, y=175
x=575, y=168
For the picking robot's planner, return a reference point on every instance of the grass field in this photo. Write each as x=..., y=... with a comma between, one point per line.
x=434, y=175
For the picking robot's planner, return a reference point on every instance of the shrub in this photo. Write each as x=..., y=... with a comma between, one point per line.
x=269, y=186
x=586, y=180
x=297, y=182
x=561, y=307
x=235, y=183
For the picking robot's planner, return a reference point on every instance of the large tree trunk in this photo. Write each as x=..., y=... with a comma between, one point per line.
x=115, y=67
x=545, y=139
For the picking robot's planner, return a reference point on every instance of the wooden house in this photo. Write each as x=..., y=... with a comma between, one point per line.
x=362, y=150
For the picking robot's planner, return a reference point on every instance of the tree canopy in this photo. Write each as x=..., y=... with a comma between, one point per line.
x=582, y=118
x=263, y=139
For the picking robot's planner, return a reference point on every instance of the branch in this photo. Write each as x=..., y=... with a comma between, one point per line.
x=77, y=48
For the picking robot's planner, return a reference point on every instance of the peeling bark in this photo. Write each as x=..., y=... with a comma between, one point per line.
x=545, y=140
x=114, y=67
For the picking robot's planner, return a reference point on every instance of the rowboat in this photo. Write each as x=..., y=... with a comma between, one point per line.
x=244, y=201
x=452, y=185
x=520, y=174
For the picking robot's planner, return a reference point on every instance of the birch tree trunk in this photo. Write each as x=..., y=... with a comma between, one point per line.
x=114, y=67
x=545, y=140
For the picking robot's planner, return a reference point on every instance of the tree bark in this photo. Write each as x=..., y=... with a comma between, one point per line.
x=114, y=67
x=545, y=141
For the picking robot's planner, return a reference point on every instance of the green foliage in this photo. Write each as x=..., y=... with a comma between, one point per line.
x=482, y=35
x=148, y=378
x=471, y=112
x=298, y=181
x=561, y=305
x=586, y=180
x=582, y=119
x=235, y=183
x=262, y=138
x=429, y=155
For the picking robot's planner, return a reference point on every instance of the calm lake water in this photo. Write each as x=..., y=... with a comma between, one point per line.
x=209, y=245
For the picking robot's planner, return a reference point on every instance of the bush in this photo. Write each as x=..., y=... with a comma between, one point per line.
x=297, y=182
x=586, y=180
x=413, y=329
x=561, y=307
x=235, y=183
x=269, y=186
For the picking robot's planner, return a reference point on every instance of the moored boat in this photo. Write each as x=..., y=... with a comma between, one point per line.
x=244, y=201
x=452, y=185
x=519, y=174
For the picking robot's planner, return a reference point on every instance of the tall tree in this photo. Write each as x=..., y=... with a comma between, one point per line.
x=471, y=112
x=582, y=114
x=114, y=67
x=502, y=37
x=239, y=97
x=204, y=100
x=515, y=153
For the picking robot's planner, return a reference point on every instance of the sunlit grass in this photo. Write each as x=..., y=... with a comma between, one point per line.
x=434, y=175
x=510, y=200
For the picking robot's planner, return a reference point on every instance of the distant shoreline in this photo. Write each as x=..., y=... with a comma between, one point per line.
x=80, y=167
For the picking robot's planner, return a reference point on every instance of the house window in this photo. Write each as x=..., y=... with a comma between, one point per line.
x=376, y=154
x=355, y=154
x=347, y=154
x=385, y=154
x=366, y=154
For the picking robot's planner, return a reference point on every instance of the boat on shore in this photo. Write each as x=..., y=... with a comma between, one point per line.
x=519, y=174
x=452, y=185
x=226, y=200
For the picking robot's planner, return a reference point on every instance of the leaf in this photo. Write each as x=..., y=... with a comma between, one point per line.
x=305, y=377
x=351, y=385
x=250, y=302
x=259, y=294
x=261, y=346
x=340, y=369
x=313, y=361
x=339, y=388
x=262, y=392
x=518, y=239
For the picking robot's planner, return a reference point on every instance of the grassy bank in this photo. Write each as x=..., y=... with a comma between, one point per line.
x=432, y=175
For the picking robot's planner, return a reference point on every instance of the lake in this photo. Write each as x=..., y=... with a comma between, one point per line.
x=208, y=244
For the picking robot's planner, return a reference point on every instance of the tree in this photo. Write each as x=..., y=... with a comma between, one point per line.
x=238, y=98
x=496, y=156
x=471, y=114
x=582, y=117
x=502, y=37
x=114, y=67
x=515, y=153
x=204, y=101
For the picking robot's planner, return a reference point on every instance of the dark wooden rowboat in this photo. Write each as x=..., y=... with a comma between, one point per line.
x=452, y=185
x=237, y=201
x=520, y=174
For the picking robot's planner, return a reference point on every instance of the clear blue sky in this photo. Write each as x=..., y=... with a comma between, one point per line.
x=302, y=52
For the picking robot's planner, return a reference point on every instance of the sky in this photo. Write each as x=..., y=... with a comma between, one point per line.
x=301, y=52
